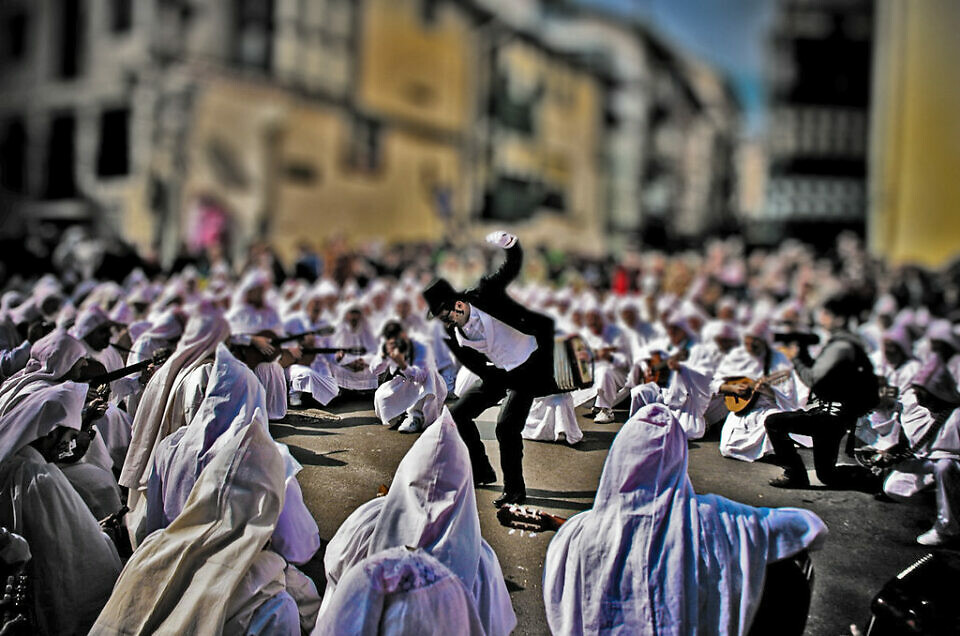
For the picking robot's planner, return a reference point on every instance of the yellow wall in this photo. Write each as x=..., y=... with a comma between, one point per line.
x=394, y=203
x=564, y=149
x=915, y=152
x=414, y=71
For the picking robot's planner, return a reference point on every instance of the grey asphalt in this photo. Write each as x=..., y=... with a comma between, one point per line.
x=347, y=454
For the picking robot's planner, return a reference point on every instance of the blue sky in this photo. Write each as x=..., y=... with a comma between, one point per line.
x=728, y=34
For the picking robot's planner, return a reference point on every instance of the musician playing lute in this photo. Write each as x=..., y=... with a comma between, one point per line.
x=510, y=348
x=744, y=437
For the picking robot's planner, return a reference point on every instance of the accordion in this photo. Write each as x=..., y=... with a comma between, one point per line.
x=569, y=371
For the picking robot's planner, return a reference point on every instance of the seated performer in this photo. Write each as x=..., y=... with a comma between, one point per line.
x=400, y=591
x=653, y=557
x=511, y=349
x=611, y=349
x=685, y=391
x=212, y=571
x=311, y=374
x=936, y=456
x=413, y=392
x=430, y=506
x=743, y=435
x=253, y=324
x=74, y=564
x=352, y=371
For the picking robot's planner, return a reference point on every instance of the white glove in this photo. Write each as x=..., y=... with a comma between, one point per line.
x=502, y=239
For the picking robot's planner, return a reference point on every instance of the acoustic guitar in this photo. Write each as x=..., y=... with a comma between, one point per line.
x=740, y=404
x=251, y=356
x=529, y=519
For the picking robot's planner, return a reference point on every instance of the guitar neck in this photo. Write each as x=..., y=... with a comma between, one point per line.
x=324, y=331
x=356, y=351
x=107, y=378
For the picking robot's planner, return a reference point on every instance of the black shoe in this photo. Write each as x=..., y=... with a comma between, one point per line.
x=485, y=475
x=787, y=480
x=510, y=498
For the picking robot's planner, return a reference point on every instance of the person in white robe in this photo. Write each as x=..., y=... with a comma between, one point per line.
x=170, y=397
x=553, y=418
x=352, y=371
x=233, y=398
x=430, y=505
x=164, y=332
x=653, y=557
x=211, y=571
x=74, y=564
x=882, y=428
x=400, y=591
x=719, y=339
x=743, y=435
x=93, y=328
x=250, y=315
x=936, y=455
x=685, y=391
x=611, y=349
x=311, y=375
x=414, y=392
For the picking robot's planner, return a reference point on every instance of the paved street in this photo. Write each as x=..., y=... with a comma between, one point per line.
x=346, y=455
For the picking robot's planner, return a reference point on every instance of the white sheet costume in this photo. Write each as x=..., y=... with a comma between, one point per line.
x=552, y=418
x=74, y=564
x=609, y=376
x=744, y=437
x=246, y=321
x=162, y=410
x=653, y=557
x=233, y=399
x=362, y=337
x=316, y=378
x=431, y=505
x=209, y=571
x=418, y=390
x=401, y=591
x=687, y=396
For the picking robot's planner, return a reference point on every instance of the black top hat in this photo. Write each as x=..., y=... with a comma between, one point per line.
x=439, y=295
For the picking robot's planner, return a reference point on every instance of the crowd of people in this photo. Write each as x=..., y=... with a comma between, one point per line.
x=142, y=490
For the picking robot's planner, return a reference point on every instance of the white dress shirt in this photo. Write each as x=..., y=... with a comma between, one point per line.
x=506, y=347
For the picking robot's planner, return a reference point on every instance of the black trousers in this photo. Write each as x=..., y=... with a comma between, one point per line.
x=510, y=423
x=826, y=429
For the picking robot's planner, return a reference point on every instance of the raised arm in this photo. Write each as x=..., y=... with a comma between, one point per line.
x=511, y=266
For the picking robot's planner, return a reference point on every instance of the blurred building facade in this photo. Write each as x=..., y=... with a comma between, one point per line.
x=820, y=65
x=185, y=124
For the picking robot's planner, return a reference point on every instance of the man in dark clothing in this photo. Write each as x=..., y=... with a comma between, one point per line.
x=843, y=387
x=510, y=348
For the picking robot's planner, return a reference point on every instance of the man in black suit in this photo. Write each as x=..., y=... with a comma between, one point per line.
x=510, y=348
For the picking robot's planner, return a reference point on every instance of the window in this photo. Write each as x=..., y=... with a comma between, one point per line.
x=61, y=182
x=69, y=33
x=121, y=15
x=253, y=45
x=13, y=156
x=13, y=38
x=365, y=149
x=113, y=155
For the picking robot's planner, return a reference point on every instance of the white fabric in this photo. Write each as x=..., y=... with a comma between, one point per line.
x=316, y=378
x=431, y=505
x=653, y=557
x=687, y=396
x=400, y=591
x=418, y=388
x=345, y=337
x=233, y=400
x=503, y=345
x=552, y=418
x=74, y=564
x=208, y=568
x=744, y=437
x=51, y=358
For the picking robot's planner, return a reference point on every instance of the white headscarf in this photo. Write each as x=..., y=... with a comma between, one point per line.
x=51, y=358
x=39, y=413
x=186, y=579
x=401, y=591
x=152, y=422
x=431, y=505
x=652, y=556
